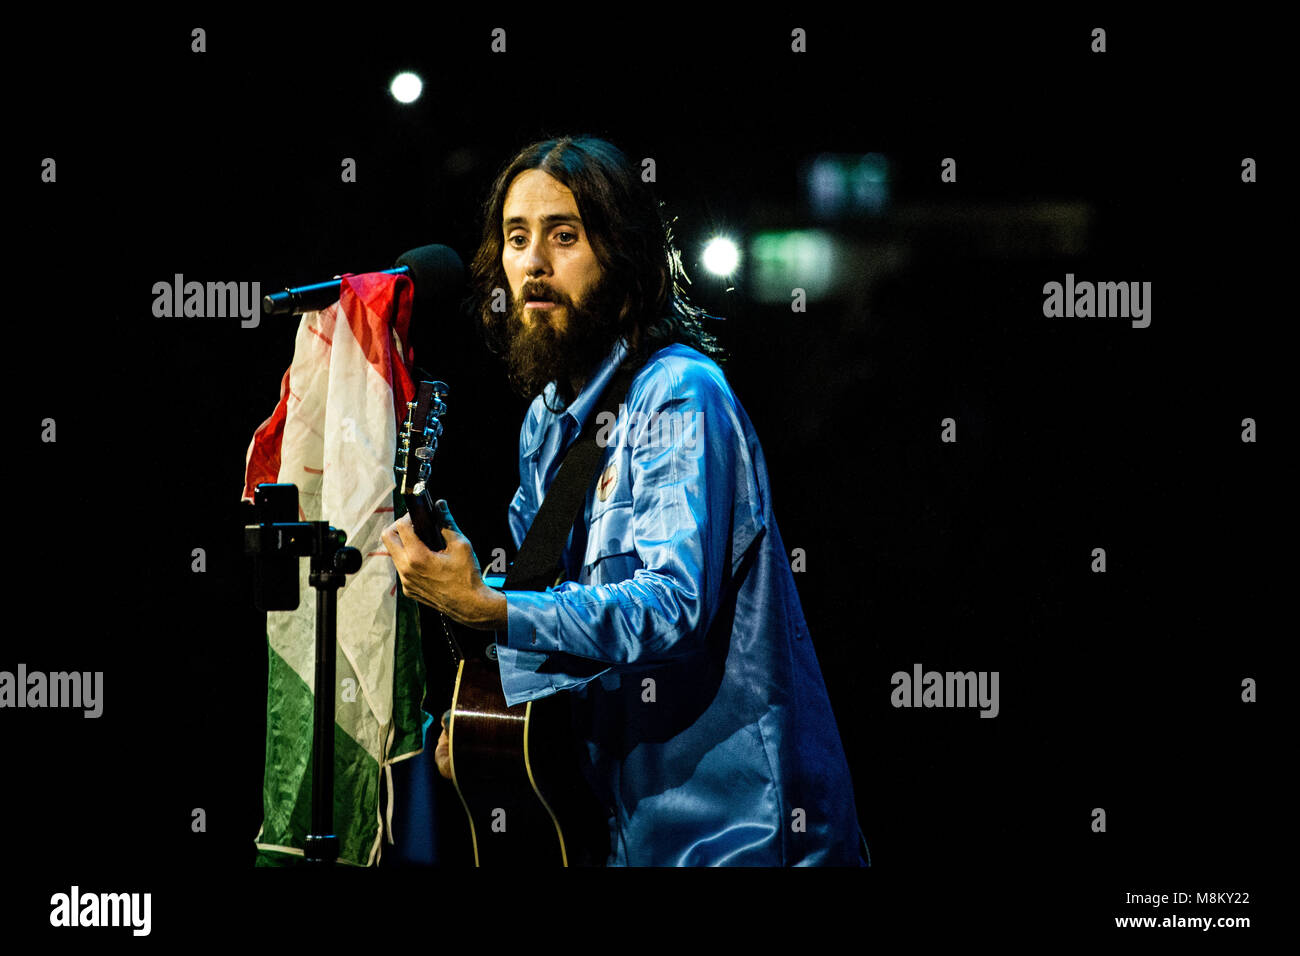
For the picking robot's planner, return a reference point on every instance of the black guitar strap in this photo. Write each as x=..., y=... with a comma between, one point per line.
x=538, y=562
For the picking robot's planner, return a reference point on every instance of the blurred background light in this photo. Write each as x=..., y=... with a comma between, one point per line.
x=406, y=87
x=721, y=256
x=847, y=184
x=780, y=261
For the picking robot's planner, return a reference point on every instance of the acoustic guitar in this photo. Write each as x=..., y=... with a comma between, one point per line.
x=515, y=768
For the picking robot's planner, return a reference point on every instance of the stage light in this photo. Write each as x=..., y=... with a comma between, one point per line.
x=721, y=256
x=406, y=87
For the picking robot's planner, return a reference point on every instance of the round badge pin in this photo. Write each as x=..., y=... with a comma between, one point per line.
x=608, y=479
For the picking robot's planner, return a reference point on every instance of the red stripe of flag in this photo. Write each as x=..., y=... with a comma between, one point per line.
x=366, y=301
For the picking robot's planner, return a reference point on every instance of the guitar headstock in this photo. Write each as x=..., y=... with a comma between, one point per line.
x=415, y=450
x=419, y=439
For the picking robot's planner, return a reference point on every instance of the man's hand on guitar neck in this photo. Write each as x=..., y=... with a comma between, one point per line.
x=451, y=580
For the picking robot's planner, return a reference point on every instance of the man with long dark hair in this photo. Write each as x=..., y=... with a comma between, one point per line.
x=708, y=734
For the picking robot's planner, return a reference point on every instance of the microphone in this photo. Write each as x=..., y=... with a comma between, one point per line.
x=435, y=270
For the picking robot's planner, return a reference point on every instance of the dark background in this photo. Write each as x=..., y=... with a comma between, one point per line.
x=1119, y=690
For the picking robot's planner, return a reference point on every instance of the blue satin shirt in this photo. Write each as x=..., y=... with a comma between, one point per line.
x=679, y=631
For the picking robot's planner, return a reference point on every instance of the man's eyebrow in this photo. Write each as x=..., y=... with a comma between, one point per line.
x=547, y=220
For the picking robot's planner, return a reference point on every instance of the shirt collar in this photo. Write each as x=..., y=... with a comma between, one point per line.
x=581, y=407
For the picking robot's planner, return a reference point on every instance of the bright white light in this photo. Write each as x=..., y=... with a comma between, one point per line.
x=406, y=87
x=721, y=256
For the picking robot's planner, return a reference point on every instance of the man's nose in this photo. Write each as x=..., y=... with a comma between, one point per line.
x=536, y=262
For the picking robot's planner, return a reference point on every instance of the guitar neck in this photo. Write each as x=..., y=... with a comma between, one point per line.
x=425, y=517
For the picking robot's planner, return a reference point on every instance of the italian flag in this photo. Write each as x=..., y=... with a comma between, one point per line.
x=334, y=435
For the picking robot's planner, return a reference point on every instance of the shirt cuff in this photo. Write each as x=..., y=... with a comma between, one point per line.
x=531, y=620
x=531, y=662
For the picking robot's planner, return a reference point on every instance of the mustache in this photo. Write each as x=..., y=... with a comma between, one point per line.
x=541, y=292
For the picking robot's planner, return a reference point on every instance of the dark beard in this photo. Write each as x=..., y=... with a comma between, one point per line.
x=540, y=354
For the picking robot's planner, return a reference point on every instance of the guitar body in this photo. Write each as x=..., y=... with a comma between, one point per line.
x=516, y=769
x=518, y=778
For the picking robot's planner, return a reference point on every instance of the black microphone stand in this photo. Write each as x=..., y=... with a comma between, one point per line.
x=276, y=547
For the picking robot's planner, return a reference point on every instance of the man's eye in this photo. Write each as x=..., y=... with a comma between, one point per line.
x=519, y=237
x=573, y=237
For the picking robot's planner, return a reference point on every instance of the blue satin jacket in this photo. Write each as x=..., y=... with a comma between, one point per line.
x=679, y=631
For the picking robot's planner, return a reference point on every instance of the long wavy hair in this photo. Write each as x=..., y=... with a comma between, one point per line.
x=628, y=234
